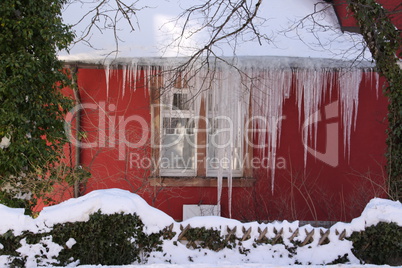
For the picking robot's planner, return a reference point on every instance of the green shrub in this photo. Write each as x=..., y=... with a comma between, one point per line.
x=206, y=238
x=115, y=239
x=10, y=243
x=379, y=244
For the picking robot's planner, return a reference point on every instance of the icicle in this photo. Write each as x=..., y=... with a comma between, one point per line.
x=311, y=90
x=107, y=76
x=147, y=75
x=375, y=79
x=229, y=112
x=269, y=95
x=349, y=84
x=124, y=70
x=271, y=84
x=134, y=75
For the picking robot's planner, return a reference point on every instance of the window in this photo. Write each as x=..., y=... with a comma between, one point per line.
x=178, y=139
x=200, y=135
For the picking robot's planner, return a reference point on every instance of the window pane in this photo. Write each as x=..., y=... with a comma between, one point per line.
x=180, y=101
x=177, y=125
x=178, y=144
x=223, y=157
x=224, y=146
x=177, y=101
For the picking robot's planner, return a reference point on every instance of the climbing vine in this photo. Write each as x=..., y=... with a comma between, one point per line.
x=384, y=42
x=32, y=106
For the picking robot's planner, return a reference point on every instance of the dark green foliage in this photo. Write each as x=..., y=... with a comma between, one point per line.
x=379, y=244
x=119, y=239
x=8, y=198
x=168, y=234
x=206, y=238
x=115, y=239
x=384, y=41
x=10, y=243
x=32, y=106
x=340, y=260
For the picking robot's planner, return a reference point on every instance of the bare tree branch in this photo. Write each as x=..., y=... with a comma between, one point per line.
x=222, y=23
x=104, y=15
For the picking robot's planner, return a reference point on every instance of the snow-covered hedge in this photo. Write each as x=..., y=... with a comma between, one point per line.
x=116, y=227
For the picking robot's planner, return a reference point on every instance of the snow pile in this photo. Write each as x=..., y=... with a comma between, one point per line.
x=46, y=246
x=13, y=219
x=79, y=209
x=381, y=210
x=377, y=210
x=249, y=251
x=109, y=202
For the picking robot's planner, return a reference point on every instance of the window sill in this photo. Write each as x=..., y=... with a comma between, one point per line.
x=199, y=182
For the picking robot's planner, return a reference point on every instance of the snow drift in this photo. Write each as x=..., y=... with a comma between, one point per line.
x=175, y=251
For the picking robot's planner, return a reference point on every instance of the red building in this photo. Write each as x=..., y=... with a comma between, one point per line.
x=283, y=138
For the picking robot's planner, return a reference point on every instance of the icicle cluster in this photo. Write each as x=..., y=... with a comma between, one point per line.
x=267, y=84
x=269, y=92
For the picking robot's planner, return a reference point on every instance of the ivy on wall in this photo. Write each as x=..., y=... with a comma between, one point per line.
x=384, y=42
x=32, y=106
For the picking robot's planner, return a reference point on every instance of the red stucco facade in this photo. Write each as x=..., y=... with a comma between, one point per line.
x=117, y=125
x=110, y=122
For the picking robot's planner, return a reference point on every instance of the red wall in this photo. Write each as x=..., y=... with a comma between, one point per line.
x=347, y=20
x=113, y=123
x=317, y=192
x=320, y=191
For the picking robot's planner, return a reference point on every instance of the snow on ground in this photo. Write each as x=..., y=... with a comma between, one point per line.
x=114, y=201
x=246, y=265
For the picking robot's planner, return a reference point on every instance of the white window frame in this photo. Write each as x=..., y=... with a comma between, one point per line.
x=190, y=114
x=170, y=113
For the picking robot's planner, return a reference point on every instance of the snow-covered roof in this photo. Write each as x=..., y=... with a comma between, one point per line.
x=289, y=25
x=241, y=62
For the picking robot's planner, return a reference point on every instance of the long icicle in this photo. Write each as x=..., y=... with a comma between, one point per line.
x=271, y=87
